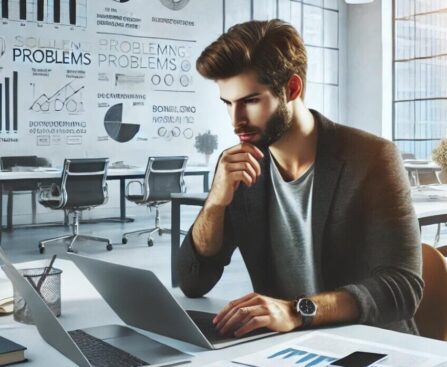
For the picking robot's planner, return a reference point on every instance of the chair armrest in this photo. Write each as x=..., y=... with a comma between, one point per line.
x=53, y=189
x=50, y=193
x=134, y=182
x=106, y=193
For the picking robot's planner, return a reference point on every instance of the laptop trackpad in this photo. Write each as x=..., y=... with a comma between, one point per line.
x=137, y=344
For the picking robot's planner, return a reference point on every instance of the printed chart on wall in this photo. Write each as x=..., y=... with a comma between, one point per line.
x=147, y=95
x=45, y=60
x=97, y=75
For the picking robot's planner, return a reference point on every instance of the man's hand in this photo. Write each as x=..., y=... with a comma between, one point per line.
x=254, y=311
x=237, y=164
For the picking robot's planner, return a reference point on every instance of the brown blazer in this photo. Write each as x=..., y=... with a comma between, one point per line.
x=362, y=216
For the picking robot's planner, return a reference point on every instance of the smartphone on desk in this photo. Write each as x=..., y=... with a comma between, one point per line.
x=359, y=359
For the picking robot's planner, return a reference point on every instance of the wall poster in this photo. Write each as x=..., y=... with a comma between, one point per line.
x=115, y=78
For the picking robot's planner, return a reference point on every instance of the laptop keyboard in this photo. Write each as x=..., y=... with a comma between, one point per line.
x=101, y=354
x=204, y=321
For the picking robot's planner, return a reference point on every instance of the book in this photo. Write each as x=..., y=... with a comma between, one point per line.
x=11, y=352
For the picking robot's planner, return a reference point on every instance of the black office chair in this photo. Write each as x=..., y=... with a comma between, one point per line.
x=163, y=177
x=8, y=163
x=83, y=186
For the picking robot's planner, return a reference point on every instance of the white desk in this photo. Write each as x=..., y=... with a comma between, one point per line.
x=82, y=307
x=421, y=165
x=430, y=204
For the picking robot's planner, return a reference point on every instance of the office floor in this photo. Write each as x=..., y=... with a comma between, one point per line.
x=21, y=245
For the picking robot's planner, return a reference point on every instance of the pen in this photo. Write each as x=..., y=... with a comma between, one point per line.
x=45, y=273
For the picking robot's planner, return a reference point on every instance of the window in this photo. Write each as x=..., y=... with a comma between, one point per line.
x=420, y=75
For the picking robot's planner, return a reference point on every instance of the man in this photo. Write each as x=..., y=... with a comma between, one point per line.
x=321, y=212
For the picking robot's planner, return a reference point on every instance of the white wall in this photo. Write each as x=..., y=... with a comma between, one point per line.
x=368, y=61
x=211, y=114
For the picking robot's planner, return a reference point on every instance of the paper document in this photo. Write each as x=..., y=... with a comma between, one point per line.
x=318, y=349
x=5, y=286
x=6, y=293
x=6, y=305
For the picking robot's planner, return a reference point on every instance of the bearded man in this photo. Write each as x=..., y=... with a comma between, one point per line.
x=321, y=212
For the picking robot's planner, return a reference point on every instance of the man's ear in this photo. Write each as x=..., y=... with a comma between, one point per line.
x=294, y=87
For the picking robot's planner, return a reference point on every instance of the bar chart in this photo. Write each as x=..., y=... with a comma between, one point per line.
x=9, y=92
x=58, y=12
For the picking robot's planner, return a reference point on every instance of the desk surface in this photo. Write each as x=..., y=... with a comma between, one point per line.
x=111, y=173
x=421, y=165
x=83, y=307
x=430, y=200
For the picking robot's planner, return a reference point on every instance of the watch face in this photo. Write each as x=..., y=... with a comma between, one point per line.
x=307, y=307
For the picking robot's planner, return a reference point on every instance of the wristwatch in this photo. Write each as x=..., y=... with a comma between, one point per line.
x=307, y=309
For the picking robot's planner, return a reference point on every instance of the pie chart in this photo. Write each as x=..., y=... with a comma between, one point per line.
x=118, y=130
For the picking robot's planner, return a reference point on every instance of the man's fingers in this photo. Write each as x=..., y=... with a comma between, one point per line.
x=240, y=176
x=245, y=157
x=237, y=302
x=244, y=177
x=253, y=150
x=246, y=303
x=253, y=324
x=241, y=316
x=246, y=147
x=240, y=162
x=243, y=166
x=254, y=311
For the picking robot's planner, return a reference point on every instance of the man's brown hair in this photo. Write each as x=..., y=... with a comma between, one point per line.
x=272, y=49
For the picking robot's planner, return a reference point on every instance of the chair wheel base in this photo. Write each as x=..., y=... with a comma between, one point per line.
x=124, y=241
x=109, y=247
x=150, y=243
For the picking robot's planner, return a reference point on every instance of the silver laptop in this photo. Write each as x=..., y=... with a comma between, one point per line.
x=109, y=345
x=140, y=299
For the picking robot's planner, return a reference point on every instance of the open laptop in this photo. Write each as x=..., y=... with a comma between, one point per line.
x=109, y=345
x=140, y=299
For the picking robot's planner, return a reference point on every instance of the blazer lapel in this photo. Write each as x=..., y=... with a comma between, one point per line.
x=328, y=167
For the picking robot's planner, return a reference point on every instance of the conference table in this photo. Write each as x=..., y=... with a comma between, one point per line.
x=49, y=175
x=83, y=307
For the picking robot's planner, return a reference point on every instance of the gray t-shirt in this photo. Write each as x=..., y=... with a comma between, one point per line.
x=295, y=261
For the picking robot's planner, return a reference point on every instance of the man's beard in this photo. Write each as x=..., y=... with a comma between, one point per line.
x=276, y=126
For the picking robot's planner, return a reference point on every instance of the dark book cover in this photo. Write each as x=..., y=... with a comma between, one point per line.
x=10, y=352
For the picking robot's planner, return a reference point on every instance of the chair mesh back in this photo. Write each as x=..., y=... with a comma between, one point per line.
x=12, y=161
x=163, y=184
x=84, y=189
